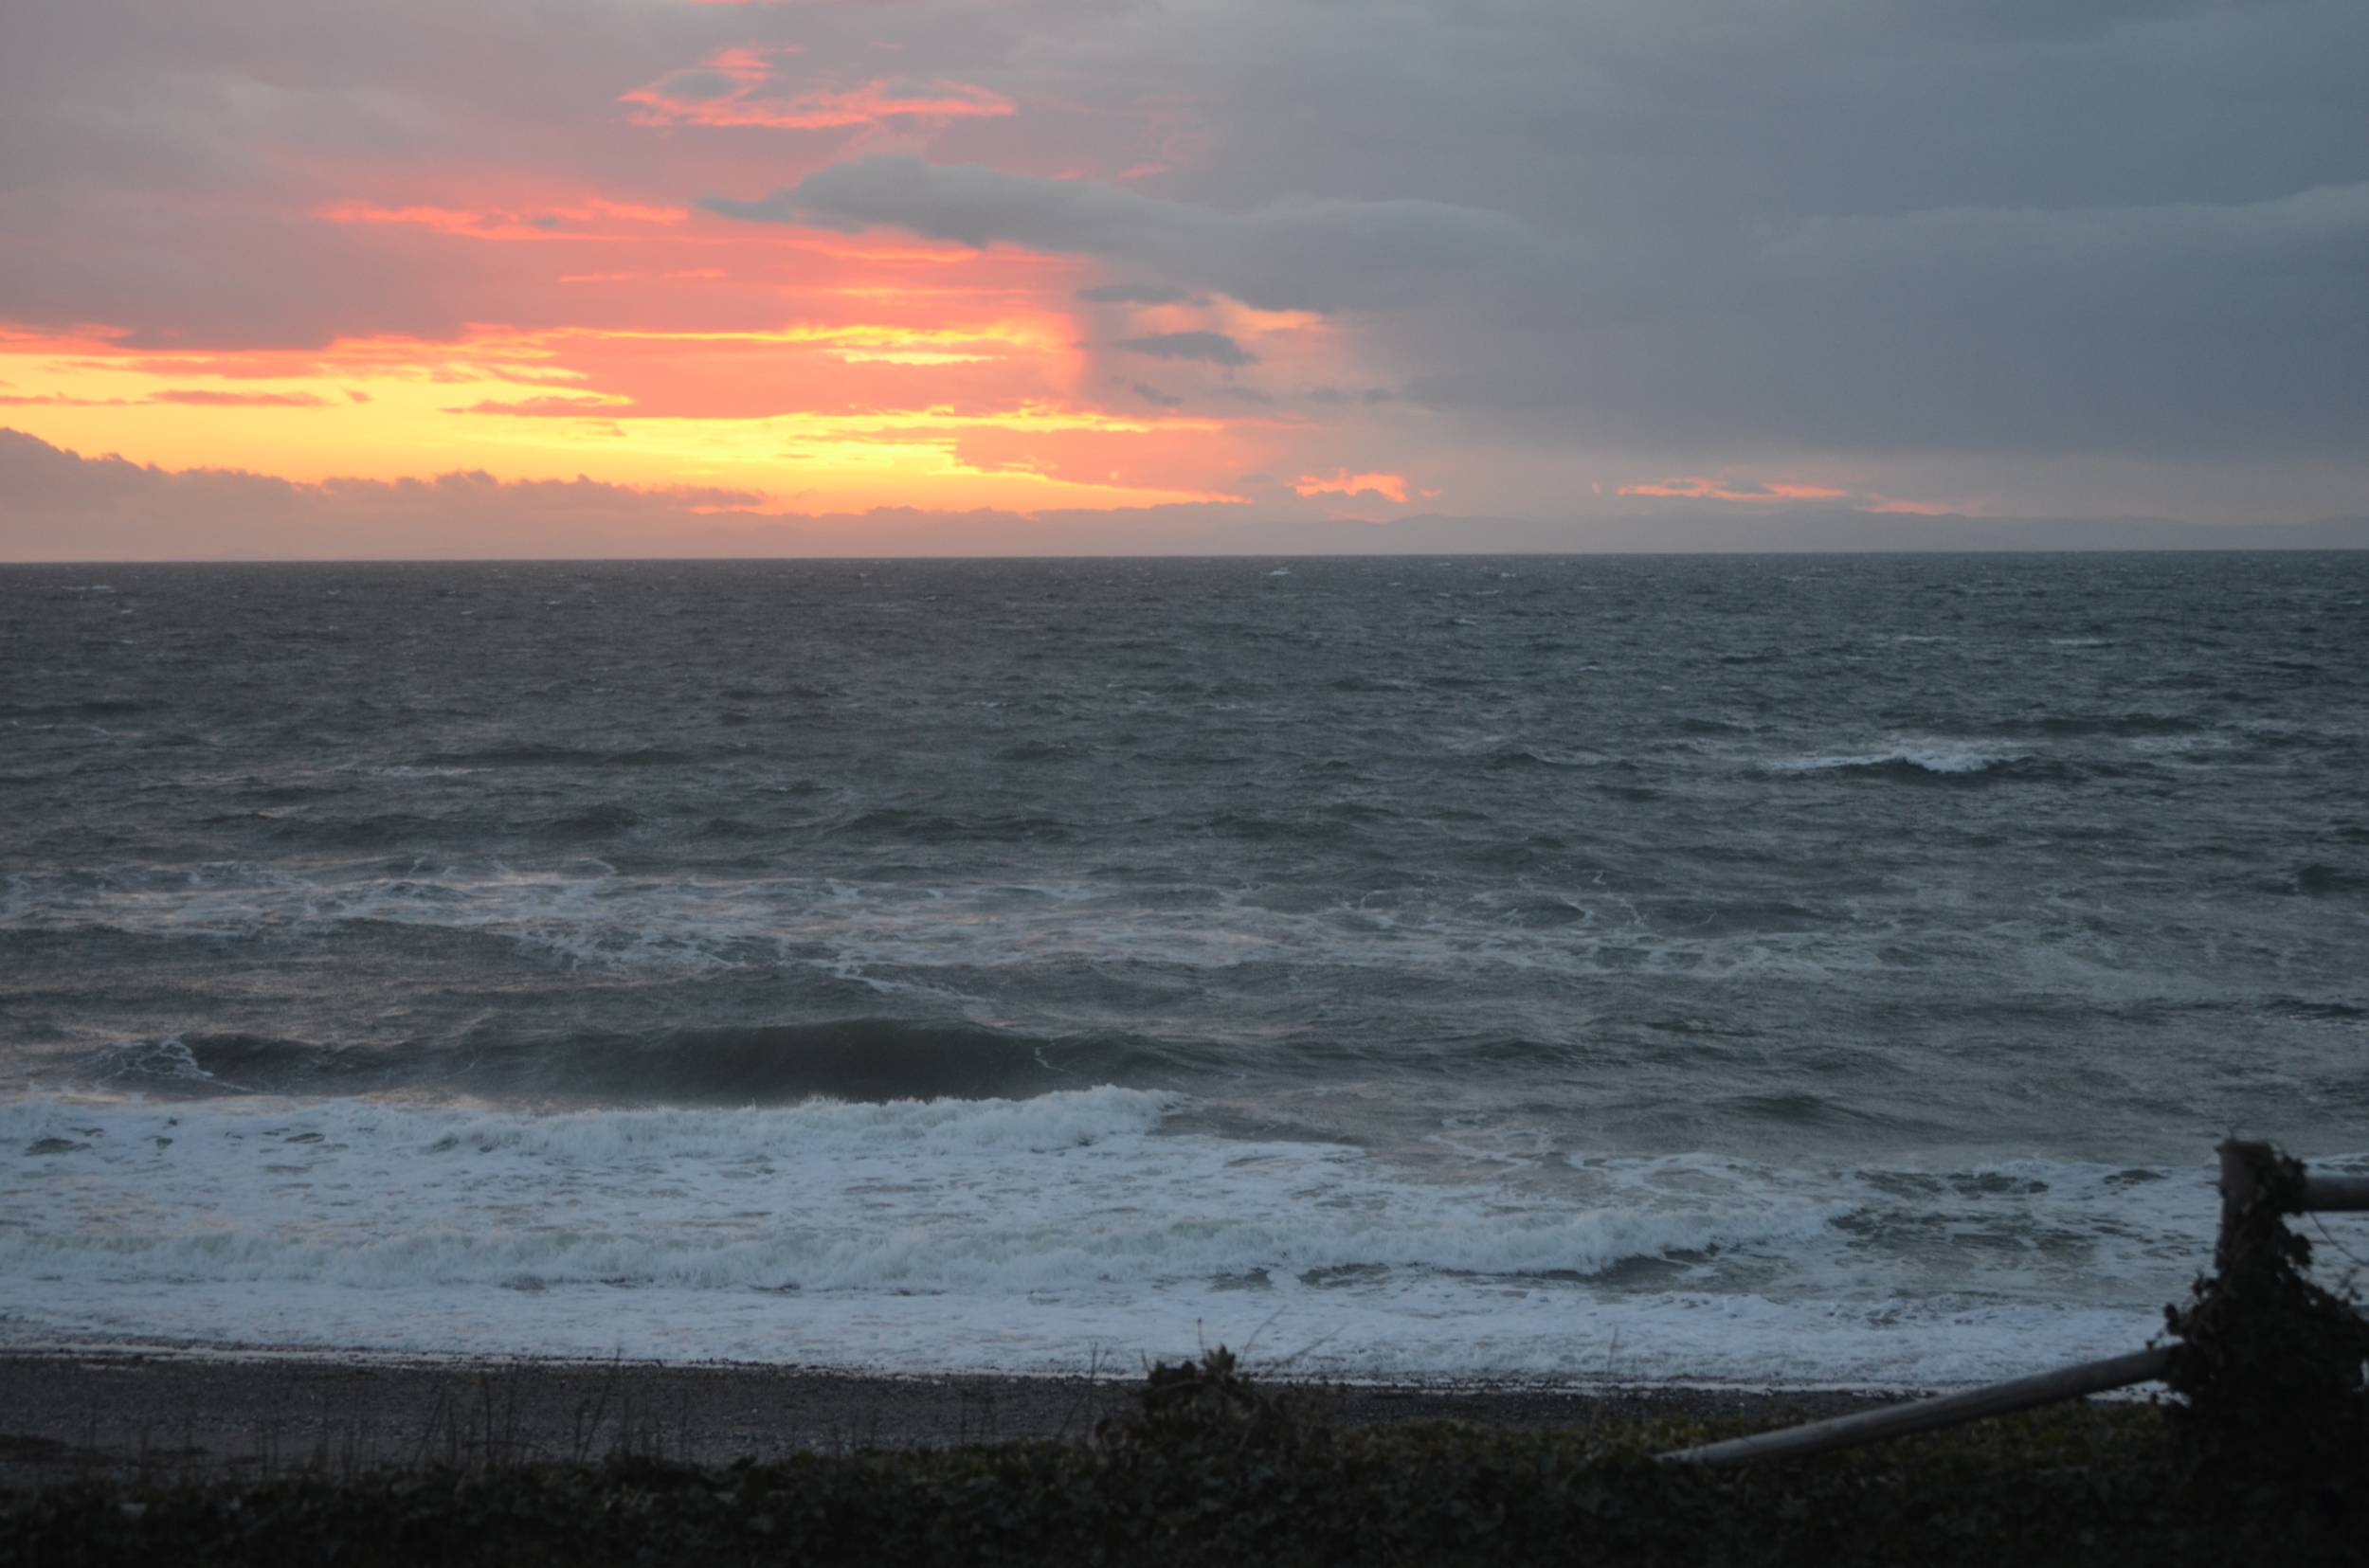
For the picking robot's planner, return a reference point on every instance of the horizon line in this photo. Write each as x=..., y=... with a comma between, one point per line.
x=1286, y=554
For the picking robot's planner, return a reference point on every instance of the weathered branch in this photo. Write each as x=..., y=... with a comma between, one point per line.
x=1874, y=1426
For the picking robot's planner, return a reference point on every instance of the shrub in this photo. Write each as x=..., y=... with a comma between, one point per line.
x=2269, y=1368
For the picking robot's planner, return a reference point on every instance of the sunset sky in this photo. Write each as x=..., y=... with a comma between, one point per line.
x=649, y=277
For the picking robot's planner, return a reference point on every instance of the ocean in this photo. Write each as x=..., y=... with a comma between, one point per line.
x=1812, y=970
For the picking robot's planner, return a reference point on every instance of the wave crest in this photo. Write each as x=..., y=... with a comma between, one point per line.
x=1920, y=762
x=856, y=1059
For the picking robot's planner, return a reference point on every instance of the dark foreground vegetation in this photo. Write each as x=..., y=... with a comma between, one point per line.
x=1212, y=1472
x=2260, y=1456
x=1228, y=1476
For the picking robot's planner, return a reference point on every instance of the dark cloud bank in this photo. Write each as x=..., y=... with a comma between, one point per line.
x=2135, y=231
x=58, y=506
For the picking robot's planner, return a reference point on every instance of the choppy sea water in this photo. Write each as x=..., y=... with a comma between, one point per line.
x=1815, y=970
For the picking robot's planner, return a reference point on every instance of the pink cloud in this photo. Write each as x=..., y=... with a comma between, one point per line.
x=744, y=87
x=1343, y=482
x=551, y=223
x=1696, y=488
x=1919, y=509
x=1693, y=487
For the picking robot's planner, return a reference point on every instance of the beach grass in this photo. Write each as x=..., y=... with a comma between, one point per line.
x=1208, y=1467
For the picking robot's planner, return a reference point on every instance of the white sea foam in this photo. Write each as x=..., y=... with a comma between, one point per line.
x=1930, y=758
x=889, y=934
x=943, y=1194
x=1029, y=1234
x=2179, y=745
x=169, y=1060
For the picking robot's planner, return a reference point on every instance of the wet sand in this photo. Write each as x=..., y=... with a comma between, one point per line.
x=177, y=1414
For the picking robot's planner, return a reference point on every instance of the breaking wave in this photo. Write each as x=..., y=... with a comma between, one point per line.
x=1925, y=764
x=1034, y=1235
x=859, y=1058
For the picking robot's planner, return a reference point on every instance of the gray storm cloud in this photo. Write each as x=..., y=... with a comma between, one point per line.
x=2150, y=328
x=1210, y=348
x=1134, y=294
x=1323, y=254
x=62, y=506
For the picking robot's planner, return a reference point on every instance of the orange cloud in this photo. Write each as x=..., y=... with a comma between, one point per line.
x=743, y=87
x=207, y=397
x=678, y=275
x=86, y=337
x=1694, y=488
x=546, y=223
x=190, y=397
x=1917, y=509
x=1343, y=482
x=857, y=250
x=1189, y=459
x=562, y=406
x=450, y=220
x=1726, y=488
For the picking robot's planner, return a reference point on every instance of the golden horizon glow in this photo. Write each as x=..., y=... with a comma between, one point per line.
x=531, y=405
x=649, y=344
x=506, y=316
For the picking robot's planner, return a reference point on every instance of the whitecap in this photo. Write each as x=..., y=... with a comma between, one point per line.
x=1025, y=1236
x=1930, y=759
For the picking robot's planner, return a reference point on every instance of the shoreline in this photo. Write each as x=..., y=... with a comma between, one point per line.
x=182, y=1412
